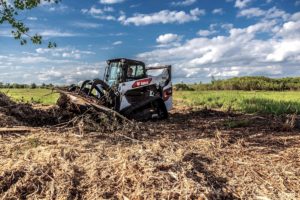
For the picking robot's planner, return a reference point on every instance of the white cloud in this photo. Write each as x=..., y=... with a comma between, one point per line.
x=242, y=3
x=51, y=6
x=252, y=12
x=209, y=32
x=56, y=33
x=218, y=11
x=32, y=18
x=284, y=50
x=267, y=14
x=297, y=3
x=5, y=33
x=46, y=66
x=117, y=43
x=33, y=59
x=197, y=12
x=49, y=74
x=163, y=17
x=241, y=53
x=168, y=38
x=99, y=13
x=59, y=8
x=227, y=26
x=205, y=33
x=117, y=34
x=45, y=33
x=108, y=9
x=63, y=52
x=106, y=17
x=68, y=74
x=295, y=16
x=92, y=11
x=87, y=25
x=290, y=30
x=183, y=2
x=110, y=1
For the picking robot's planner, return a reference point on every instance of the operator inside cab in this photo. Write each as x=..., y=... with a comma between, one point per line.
x=129, y=74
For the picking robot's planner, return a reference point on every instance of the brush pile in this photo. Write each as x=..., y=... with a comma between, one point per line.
x=64, y=115
x=24, y=114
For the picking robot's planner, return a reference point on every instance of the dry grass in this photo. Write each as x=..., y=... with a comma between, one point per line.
x=57, y=166
x=193, y=155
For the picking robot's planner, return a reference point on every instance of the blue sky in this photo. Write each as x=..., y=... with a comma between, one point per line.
x=200, y=38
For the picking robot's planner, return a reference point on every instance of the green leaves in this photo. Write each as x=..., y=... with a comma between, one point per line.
x=8, y=13
x=52, y=45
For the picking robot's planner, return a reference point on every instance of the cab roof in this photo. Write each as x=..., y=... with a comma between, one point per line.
x=126, y=60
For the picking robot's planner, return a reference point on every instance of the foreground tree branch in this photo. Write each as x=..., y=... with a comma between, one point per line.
x=9, y=10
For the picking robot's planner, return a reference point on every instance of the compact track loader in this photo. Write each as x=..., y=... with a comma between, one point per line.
x=128, y=88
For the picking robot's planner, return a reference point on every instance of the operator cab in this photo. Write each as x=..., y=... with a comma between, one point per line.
x=122, y=70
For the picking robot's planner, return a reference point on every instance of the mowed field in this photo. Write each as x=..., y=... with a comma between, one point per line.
x=215, y=145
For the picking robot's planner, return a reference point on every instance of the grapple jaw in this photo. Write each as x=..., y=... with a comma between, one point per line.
x=96, y=91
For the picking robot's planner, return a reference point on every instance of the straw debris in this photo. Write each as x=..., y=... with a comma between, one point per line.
x=192, y=155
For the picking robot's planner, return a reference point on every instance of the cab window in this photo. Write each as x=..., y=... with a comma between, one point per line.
x=114, y=73
x=135, y=71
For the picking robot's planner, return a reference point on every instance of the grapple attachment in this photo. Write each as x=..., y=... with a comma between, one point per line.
x=96, y=91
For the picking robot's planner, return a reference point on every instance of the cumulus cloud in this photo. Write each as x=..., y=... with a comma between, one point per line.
x=168, y=38
x=183, y=3
x=70, y=75
x=108, y=9
x=205, y=33
x=117, y=43
x=251, y=12
x=41, y=67
x=267, y=14
x=242, y=3
x=163, y=17
x=86, y=25
x=289, y=30
x=56, y=33
x=48, y=33
x=92, y=11
x=218, y=11
x=51, y=6
x=270, y=46
x=99, y=13
x=210, y=31
x=111, y=1
x=59, y=8
x=242, y=52
x=63, y=52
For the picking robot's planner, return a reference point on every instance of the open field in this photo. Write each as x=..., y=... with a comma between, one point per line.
x=198, y=153
x=261, y=102
x=41, y=96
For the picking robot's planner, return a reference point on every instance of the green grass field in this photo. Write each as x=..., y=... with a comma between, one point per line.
x=41, y=96
x=262, y=102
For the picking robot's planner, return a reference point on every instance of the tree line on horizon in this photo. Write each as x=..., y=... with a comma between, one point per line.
x=246, y=83
x=25, y=86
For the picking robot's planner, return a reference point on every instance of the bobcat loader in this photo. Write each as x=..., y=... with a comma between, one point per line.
x=128, y=88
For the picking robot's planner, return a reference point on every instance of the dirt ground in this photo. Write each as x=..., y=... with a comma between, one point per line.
x=195, y=154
